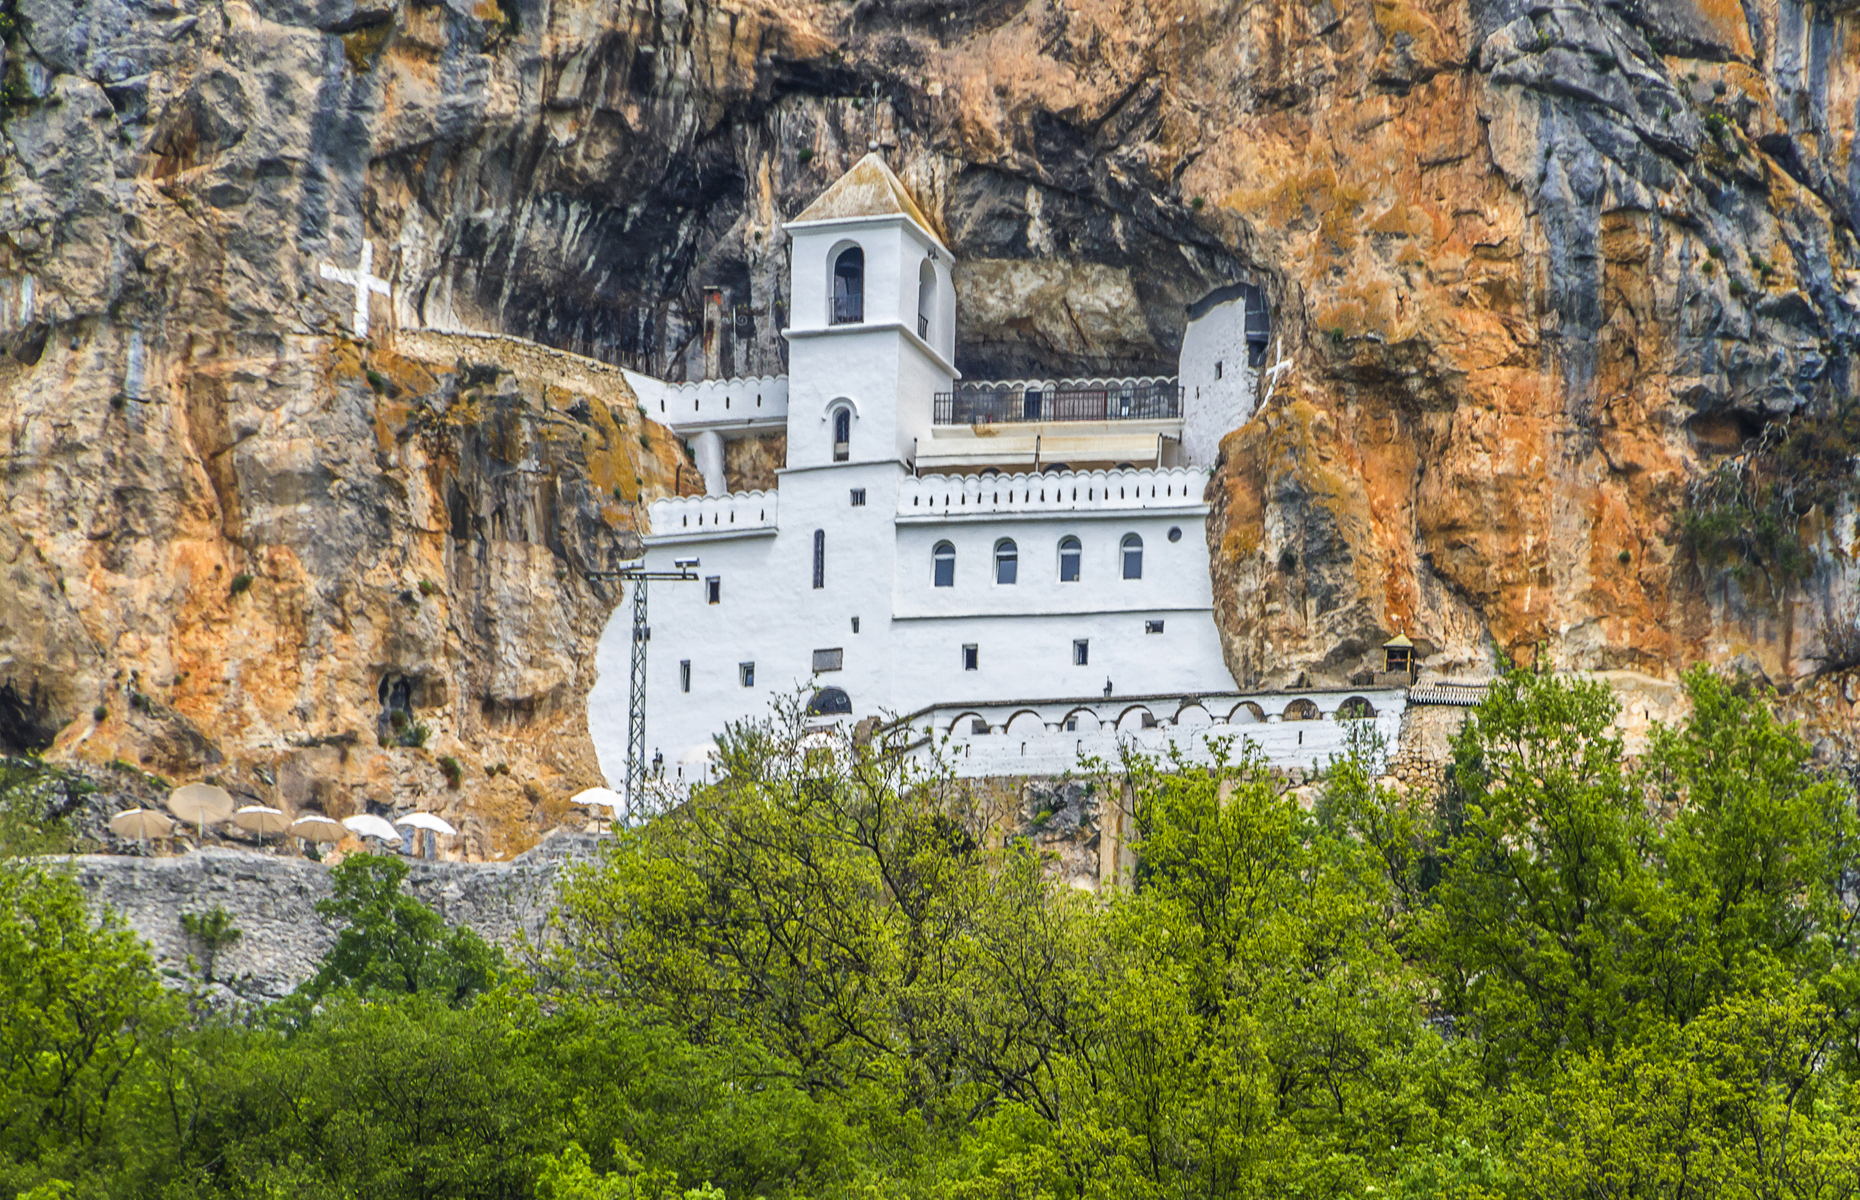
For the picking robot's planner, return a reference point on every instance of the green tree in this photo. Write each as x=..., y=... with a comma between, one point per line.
x=78, y=998
x=390, y=942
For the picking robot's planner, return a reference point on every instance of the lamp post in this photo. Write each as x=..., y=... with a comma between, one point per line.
x=639, y=576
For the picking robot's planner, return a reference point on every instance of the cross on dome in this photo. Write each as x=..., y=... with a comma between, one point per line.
x=363, y=280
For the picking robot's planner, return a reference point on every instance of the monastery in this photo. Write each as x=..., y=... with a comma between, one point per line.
x=1019, y=569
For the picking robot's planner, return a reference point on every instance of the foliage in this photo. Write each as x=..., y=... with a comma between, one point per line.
x=78, y=996
x=212, y=931
x=1568, y=975
x=390, y=942
x=36, y=803
x=1746, y=514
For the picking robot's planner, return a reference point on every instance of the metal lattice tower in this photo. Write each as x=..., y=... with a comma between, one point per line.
x=639, y=576
x=636, y=701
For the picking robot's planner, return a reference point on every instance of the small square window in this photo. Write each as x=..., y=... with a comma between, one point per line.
x=1072, y=724
x=1152, y=626
x=713, y=590
x=858, y=497
x=978, y=726
x=828, y=660
x=1081, y=652
x=970, y=657
x=684, y=675
x=747, y=671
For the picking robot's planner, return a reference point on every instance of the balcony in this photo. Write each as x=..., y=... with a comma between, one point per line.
x=849, y=310
x=1020, y=402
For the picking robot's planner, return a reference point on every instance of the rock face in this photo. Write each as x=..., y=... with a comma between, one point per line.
x=1535, y=271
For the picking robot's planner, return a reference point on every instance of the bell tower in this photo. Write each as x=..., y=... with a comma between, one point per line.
x=872, y=322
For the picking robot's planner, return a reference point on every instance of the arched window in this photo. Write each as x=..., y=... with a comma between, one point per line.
x=926, y=298
x=1068, y=560
x=1007, y=561
x=828, y=702
x=842, y=434
x=849, y=287
x=944, y=558
x=1133, y=556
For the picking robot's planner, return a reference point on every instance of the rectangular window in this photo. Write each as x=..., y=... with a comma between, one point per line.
x=1217, y=369
x=1152, y=626
x=855, y=624
x=684, y=675
x=858, y=497
x=820, y=558
x=1081, y=652
x=747, y=672
x=713, y=590
x=828, y=660
x=969, y=658
x=978, y=726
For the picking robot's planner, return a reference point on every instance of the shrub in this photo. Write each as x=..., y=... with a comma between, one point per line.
x=450, y=768
x=804, y=155
x=428, y=587
x=99, y=712
x=241, y=583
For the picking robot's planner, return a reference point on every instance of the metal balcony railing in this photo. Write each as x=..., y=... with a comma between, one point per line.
x=986, y=404
x=848, y=310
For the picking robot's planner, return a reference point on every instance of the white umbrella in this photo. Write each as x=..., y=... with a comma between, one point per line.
x=371, y=826
x=141, y=824
x=261, y=819
x=598, y=798
x=424, y=820
x=202, y=804
x=315, y=827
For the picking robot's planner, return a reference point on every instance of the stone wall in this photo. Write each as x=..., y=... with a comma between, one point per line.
x=272, y=903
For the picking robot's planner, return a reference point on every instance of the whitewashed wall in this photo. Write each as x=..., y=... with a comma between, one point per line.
x=1215, y=405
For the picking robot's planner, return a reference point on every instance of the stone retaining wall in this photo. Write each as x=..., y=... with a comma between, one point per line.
x=272, y=903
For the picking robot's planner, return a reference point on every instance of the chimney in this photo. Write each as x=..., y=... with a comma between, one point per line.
x=713, y=333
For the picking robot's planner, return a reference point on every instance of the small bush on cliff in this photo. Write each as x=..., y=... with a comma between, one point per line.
x=1745, y=515
x=212, y=931
x=241, y=583
x=452, y=770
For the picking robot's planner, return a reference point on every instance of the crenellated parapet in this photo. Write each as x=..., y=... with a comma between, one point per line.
x=1129, y=490
x=722, y=404
x=729, y=514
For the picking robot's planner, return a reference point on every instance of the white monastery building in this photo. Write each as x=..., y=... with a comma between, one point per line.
x=1020, y=566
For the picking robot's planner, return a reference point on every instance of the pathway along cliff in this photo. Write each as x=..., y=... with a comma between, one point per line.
x=1569, y=295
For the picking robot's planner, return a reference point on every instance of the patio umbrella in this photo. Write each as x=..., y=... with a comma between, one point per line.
x=598, y=798
x=371, y=826
x=202, y=804
x=261, y=819
x=425, y=820
x=141, y=824
x=315, y=827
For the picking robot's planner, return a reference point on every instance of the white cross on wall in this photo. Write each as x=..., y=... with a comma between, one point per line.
x=1274, y=371
x=363, y=280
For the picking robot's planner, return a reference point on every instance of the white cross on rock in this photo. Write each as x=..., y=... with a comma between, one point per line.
x=363, y=280
x=1274, y=371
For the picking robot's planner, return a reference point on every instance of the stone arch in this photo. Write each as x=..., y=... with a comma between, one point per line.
x=1246, y=713
x=1193, y=713
x=1301, y=709
x=963, y=726
x=1356, y=708
x=1025, y=723
x=1133, y=718
x=1087, y=719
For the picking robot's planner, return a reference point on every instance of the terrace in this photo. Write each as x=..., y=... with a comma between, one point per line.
x=1023, y=401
